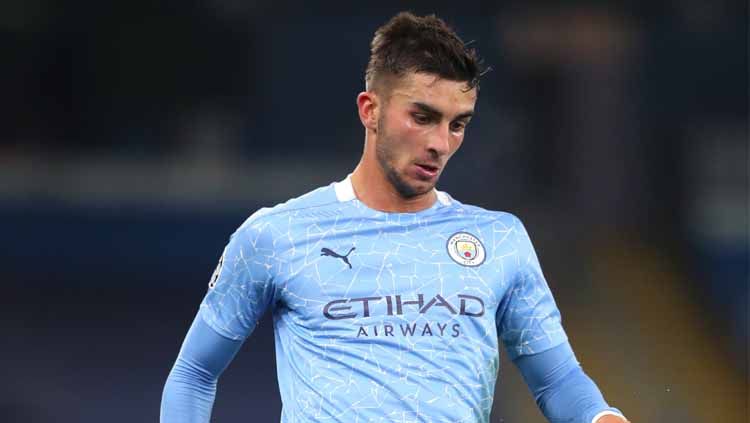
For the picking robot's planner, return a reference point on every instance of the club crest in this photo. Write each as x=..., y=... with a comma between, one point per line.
x=466, y=249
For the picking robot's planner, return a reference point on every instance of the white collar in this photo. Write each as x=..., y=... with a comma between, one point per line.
x=345, y=192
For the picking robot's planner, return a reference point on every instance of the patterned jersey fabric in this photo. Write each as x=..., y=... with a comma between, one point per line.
x=384, y=317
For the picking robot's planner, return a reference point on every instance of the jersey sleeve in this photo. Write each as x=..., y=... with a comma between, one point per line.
x=190, y=390
x=528, y=319
x=562, y=390
x=242, y=286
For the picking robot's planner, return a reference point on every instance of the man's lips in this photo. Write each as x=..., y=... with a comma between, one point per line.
x=427, y=170
x=428, y=166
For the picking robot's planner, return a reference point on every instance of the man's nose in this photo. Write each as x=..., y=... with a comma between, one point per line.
x=439, y=141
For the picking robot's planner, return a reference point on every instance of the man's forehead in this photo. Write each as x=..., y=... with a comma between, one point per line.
x=430, y=88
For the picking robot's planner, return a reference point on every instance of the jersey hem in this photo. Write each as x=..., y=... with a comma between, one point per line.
x=219, y=331
x=514, y=355
x=607, y=413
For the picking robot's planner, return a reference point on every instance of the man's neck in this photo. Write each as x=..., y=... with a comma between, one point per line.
x=372, y=187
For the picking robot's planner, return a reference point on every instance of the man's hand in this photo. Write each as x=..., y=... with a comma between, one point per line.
x=611, y=418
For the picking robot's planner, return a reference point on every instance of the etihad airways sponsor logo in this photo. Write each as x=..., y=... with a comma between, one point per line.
x=396, y=305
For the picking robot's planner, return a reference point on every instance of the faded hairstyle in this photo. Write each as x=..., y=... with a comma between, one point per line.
x=409, y=43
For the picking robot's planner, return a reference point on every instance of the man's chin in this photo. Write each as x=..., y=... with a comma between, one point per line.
x=416, y=188
x=424, y=187
x=410, y=186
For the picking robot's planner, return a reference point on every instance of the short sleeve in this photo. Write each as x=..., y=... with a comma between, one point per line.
x=242, y=286
x=528, y=319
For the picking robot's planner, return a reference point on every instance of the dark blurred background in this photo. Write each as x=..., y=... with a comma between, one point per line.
x=136, y=136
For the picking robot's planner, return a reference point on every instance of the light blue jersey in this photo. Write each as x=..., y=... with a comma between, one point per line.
x=384, y=317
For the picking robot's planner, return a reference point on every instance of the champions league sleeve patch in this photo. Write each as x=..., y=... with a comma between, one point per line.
x=217, y=272
x=466, y=249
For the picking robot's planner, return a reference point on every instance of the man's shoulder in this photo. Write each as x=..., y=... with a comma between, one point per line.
x=318, y=198
x=477, y=212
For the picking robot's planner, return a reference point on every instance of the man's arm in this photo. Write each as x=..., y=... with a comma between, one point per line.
x=191, y=386
x=240, y=291
x=562, y=390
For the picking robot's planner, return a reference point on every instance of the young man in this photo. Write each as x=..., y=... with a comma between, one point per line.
x=389, y=297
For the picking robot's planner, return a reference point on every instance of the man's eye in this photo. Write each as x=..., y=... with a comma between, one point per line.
x=458, y=126
x=421, y=119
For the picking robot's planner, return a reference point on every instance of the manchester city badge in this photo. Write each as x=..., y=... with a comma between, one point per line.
x=466, y=249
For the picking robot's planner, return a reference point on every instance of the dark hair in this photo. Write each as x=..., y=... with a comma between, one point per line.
x=409, y=43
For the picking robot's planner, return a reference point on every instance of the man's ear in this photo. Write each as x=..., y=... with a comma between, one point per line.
x=368, y=105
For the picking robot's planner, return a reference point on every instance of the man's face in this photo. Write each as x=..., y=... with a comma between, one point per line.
x=420, y=125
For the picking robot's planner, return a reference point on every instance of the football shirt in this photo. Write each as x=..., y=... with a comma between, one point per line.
x=384, y=317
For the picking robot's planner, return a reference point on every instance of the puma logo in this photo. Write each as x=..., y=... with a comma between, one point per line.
x=331, y=253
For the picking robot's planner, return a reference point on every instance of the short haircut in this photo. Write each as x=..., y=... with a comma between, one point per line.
x=409, y=43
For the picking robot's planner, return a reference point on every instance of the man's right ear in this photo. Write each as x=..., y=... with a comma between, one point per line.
x=368, y=106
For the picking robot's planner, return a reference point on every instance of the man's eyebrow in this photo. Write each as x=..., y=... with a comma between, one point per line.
x=464, y=115
x=433, y=111
x=427, y=108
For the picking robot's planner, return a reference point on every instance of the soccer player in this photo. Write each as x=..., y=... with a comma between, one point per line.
x=389, y=298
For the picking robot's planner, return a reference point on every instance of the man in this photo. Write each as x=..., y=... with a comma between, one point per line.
x=389, y=297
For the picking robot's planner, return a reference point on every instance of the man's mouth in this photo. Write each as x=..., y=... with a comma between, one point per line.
x=427, y=171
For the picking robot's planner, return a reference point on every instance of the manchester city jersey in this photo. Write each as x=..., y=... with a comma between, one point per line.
x=384, y=317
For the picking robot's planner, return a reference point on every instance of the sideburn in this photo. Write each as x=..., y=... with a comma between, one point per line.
x=385, y=159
